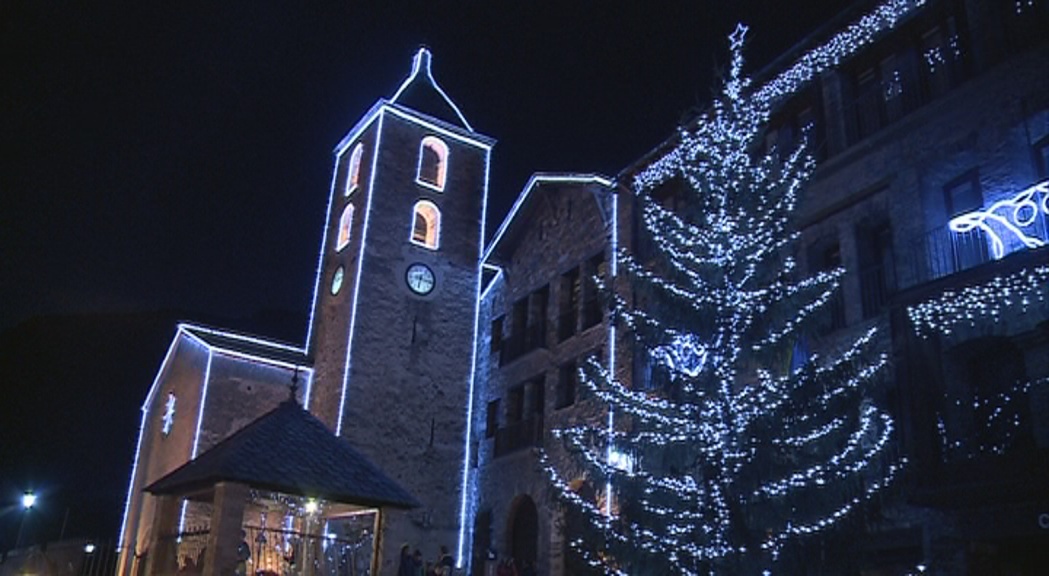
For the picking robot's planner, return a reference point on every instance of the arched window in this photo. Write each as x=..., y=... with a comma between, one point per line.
x=353, y=175
x=345, y=221
x=426, y=224
x=433, y=163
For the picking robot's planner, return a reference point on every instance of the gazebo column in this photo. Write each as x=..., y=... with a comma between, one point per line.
x=227, y=520
x=160, y=556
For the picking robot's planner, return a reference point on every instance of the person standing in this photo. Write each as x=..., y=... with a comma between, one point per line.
x=445, y=564
x=405, y=568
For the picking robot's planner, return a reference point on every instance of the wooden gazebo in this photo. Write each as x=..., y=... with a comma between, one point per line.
x=286, y=451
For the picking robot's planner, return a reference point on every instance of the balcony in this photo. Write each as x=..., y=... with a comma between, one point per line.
x=942, y=252
x=519, y=435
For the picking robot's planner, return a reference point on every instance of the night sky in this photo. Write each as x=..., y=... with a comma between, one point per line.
x=165, y=161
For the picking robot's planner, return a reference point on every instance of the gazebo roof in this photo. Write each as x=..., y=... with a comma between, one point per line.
x=288, y=450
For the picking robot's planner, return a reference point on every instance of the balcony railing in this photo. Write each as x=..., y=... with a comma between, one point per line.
x=519, y=435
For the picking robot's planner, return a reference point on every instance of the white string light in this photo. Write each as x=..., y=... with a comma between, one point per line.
x=733, y=451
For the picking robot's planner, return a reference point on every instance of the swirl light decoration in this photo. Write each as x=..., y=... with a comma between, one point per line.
x=1019, y=216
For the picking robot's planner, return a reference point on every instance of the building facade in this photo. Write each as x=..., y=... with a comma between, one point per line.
x=932, y=139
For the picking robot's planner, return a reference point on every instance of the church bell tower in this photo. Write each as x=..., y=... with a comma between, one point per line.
x=394, y=315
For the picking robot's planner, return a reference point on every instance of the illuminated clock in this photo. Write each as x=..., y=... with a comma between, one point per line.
x=420, y=278
x=336, y=281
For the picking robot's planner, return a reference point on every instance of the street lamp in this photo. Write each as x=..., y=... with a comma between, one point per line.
x=28, y=500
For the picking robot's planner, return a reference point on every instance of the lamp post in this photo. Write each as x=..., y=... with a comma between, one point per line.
x=28, y=501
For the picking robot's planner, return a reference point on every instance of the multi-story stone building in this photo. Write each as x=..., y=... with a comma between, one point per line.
x=467, y=343
x=945, y=113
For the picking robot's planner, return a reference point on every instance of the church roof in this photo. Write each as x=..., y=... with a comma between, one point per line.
x=421, y=92
x=247, y=344
x=289, y=450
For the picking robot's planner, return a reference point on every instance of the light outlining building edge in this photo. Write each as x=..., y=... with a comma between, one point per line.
x=535, y=180
x=357, y=278
x=613, y=271
x=340, y=150
x=498, y=278
x=196, y=434
x=241, y=337
x=141, y=432
x=464, y=496
x=420, y=61
x=842, y=45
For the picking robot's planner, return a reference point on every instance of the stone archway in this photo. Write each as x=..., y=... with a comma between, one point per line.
x=523, y=530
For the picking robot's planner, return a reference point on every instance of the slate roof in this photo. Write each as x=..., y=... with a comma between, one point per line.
x=288, y=450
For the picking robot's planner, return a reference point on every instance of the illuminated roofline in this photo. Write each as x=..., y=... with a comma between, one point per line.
x=241, y=337
x=437, y=125
x=440, y=126
x=536, y=179
x=421, y=61
x=498, y=278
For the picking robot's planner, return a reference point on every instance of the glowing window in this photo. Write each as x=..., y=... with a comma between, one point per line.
x=433, y=163
x=345, y=221
x=426, y=224
x=353, y=175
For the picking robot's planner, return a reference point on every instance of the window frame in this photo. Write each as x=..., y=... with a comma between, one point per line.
x=344, y=235
x=433, y=226
x=353, y=172
x=439, y=147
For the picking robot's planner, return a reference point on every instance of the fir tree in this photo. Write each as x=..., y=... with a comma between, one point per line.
x=747, y=447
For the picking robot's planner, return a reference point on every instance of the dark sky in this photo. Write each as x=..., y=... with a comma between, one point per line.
x=177, y=156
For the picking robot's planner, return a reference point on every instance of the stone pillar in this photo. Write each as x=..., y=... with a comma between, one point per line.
x=377, y=542
x=227, y=520
x=160, y=556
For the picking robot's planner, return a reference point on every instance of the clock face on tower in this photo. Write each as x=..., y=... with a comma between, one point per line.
x=420, y=278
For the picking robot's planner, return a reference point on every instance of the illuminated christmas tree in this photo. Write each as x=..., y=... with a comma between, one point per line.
x=749, y=444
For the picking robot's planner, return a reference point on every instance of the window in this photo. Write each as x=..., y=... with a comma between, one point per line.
x=595, y=268
x=492, y=419
x=353, y=175
x=497, y=335
x=962, y=195
x=527, y=326
x=825, y=256
x=426, y=224
x=567, y=382
x=345, y=222
x=1041, y=157
x=433, y=163
x=985, y=410
x=877, y=267
x=568, y=310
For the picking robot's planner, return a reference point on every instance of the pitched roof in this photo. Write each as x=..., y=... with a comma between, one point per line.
x=248, y=344
x=497, y=251
x=288, y=450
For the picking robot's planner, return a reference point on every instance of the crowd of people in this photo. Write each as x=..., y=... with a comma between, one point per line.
x=412, y=563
